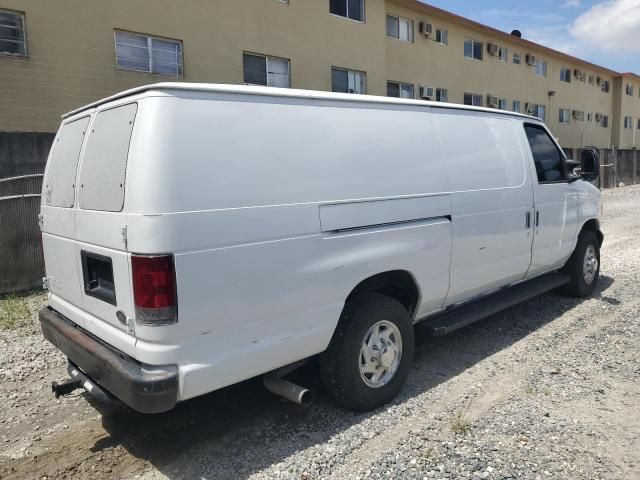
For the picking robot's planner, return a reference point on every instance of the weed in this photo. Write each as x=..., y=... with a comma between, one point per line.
x=460, y=423
x=13, y=311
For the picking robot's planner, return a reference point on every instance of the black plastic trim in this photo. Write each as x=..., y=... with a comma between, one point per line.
x=469, y=312
x=144, y=388
x=99, y=292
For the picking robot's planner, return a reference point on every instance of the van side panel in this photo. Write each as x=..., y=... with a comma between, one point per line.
x=264, y=305
x=235, y=151
x=491, y=195
x=236, y=188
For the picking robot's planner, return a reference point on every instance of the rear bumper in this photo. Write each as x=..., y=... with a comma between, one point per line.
x=145, y=388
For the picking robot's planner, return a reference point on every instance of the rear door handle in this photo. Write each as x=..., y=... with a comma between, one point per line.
x=537, y=217
x=528, y=220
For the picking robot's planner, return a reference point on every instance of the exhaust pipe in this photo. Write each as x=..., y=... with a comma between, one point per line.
x=295, y=393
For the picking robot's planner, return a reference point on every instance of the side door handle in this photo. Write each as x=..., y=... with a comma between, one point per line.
x=537, y=217
x=528, y=220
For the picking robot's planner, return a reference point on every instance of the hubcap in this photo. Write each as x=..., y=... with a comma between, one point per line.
x=380, y=354
x=590, y=265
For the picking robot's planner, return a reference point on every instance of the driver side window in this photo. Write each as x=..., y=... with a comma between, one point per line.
x=547, y=157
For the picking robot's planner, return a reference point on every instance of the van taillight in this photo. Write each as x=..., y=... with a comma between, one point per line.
x=154, y=289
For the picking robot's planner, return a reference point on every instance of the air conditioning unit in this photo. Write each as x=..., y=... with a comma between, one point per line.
x=531, y=59
x=426, y=92
x=577, y=73
x=578, y=115
x=493, y=49
x=492, y=101
x=426, y=28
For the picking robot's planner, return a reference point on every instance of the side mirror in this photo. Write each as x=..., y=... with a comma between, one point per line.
x=590, y=165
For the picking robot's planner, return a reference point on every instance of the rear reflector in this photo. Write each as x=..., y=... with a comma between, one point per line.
x=154, y=289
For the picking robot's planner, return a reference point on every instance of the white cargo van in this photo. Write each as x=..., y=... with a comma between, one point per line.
x=198, y=235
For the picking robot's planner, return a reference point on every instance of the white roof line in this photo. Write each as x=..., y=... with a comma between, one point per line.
x=290, y=93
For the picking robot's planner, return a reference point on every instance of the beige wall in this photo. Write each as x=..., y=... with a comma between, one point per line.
x=427, y=62
x=72, y=58
x=627, y=105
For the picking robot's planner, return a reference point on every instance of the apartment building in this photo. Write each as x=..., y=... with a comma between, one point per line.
x=61, y=54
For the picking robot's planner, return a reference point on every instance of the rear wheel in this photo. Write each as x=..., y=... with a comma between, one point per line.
x=370, y=354
x=583, y=266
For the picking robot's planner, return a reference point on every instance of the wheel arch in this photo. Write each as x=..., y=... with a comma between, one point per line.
x=593, y=225
x=400, y=285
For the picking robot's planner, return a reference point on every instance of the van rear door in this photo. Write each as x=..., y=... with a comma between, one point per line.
x=85, y=250
x=58, y=216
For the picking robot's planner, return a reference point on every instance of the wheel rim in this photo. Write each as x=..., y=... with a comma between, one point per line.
x=590, y=265
x=380, y=354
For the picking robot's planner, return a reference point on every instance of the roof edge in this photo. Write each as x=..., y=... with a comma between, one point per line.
x=290, y=93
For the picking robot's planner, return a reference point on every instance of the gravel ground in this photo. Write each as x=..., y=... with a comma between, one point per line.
x=547, y=389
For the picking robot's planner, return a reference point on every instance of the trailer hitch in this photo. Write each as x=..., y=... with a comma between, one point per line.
x=80, y=380
x=65, y=387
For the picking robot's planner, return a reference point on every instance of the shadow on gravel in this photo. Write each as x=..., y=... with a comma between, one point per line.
x=243, y=429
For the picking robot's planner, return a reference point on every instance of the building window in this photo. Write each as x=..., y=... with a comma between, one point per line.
x=516, y=58
x=442, y=36
x=353, y=9
x=629, y=89
x=144, y=53
x=592, y=79
x=540, y=68
x=578, y=115
x=265, y=70
x=535, y=110
x=604, y=86
x=516, y=106
x=473, y=99
x=502, y=103
x=400, y=90
x=472, y=49
x=628, y=122
x=12, y=37
x=639, y=124
x=589, y=117
x=565, y=115
x=565, y=75
x=400, y=28
x=503, y=54
x=442, y=95
x=602, y=120
x=348, y=81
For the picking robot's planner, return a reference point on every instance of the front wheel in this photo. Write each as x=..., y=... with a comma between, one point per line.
x=583, y=266
x=370, y=354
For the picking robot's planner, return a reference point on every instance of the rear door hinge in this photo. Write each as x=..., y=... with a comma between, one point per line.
x=41, y=221
x=124, y=236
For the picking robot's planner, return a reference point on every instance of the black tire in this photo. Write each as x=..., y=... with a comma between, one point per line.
x=340, y=363
x=578, y=286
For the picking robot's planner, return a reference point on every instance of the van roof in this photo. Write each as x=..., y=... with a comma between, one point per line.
x=290, y=93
